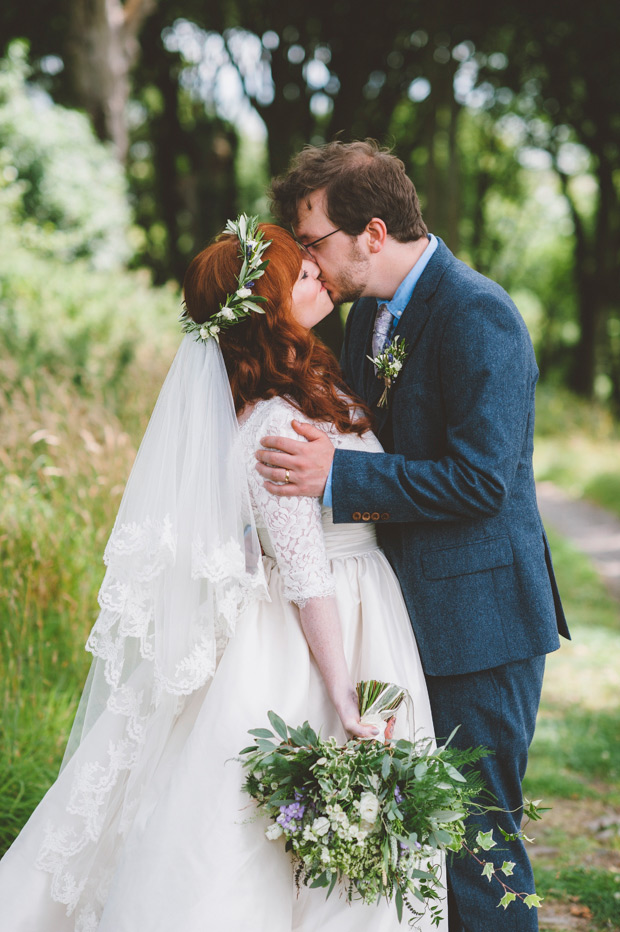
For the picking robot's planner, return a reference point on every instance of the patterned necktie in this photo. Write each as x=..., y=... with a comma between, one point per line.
x=383, y=324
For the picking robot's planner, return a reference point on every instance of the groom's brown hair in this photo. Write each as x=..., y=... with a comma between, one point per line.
x=361, y=181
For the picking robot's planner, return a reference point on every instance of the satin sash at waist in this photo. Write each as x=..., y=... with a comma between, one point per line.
x=341, y=540
x=348, y=540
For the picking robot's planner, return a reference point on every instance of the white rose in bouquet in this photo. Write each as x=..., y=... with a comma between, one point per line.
x=369, y=808
x=274, y=831
x=320, y=826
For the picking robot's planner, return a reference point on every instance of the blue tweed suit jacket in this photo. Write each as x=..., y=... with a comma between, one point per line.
x=453, y=497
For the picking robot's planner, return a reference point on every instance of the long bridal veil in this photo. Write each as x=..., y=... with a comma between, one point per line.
x=182, y=561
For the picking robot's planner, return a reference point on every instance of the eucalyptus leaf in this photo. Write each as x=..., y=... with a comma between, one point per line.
x=279, y=725
x=297, y=737
x=386, y=766
x=447, y=815
x=398, y=900
x=321, y=881
x=309, y=734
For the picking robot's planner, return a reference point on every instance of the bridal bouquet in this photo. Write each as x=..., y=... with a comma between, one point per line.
x=371, y=814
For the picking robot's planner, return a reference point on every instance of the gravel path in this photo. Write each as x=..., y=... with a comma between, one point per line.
x=592, y=530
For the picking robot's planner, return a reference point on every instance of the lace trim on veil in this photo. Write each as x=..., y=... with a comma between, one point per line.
x=106, y=779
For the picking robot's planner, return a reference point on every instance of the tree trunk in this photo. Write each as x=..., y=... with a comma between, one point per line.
x=430, y=187
x=101, y=49
x=453, y=187
x=581, y=378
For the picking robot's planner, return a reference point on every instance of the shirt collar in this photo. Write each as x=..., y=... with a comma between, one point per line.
x=402, y=295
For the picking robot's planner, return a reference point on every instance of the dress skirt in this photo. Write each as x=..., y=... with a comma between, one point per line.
x=196, y=857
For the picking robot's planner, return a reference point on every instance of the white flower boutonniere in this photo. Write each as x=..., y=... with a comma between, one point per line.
x=388, y=364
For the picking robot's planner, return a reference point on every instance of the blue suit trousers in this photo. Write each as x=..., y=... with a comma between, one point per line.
x=495, y=708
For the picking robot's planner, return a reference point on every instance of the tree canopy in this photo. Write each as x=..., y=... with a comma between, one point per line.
x=202, y=103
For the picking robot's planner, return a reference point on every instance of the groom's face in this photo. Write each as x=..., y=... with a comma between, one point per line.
x=344, y=266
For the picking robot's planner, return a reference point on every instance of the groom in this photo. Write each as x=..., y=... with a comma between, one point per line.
x=453, y=496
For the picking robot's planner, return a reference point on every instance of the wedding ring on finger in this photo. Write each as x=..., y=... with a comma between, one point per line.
x=286, y=476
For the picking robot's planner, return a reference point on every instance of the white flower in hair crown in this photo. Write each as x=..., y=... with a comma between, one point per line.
x=242, y=302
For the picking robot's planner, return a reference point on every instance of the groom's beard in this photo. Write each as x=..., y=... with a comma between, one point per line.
x=349, y=282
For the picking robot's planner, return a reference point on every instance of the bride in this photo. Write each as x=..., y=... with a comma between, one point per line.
x=220, y=602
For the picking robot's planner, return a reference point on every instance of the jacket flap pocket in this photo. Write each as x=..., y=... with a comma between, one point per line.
x=468, y=558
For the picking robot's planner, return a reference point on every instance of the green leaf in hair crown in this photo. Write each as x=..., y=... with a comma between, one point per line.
x=242, y=302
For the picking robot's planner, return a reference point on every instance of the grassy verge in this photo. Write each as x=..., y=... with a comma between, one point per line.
x=578, y=447
x=62, y=470
x=77, y=384
x=575, y=760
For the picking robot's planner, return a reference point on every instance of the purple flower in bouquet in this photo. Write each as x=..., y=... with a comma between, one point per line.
x=290, y=816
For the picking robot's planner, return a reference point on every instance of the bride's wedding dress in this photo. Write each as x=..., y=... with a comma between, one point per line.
x=191, y=856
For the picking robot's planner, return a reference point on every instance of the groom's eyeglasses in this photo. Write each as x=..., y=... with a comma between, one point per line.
x=308, y=246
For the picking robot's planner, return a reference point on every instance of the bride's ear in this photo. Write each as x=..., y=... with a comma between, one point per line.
x=376, y=233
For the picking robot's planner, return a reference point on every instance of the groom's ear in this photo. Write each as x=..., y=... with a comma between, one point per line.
x=376, y=231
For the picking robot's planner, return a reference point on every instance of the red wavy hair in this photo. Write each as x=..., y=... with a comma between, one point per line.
x=271, y=354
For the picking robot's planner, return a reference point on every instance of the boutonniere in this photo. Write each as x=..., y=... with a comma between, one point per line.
x=388, y=364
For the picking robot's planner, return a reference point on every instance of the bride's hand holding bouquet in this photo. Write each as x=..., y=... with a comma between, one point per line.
x=372, y=814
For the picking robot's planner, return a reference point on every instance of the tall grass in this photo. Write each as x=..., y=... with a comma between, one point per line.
x=63, y=466
x=83, y=357
x=578, y=447
x=575, y=758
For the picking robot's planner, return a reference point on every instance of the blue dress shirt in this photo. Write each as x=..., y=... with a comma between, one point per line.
x=402, y=297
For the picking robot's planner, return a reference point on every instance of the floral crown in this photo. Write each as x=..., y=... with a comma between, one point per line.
x=238, y=305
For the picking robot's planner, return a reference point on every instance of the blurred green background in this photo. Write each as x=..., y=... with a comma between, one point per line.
x=130, y=132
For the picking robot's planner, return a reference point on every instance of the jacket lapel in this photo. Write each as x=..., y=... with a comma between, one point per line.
x=365, y=311
x=411, y=324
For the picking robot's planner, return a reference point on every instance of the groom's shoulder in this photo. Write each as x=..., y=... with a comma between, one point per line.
x=459, y=281
x=467, y=301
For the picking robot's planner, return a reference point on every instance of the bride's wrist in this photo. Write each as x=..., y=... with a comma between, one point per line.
x=345, y=700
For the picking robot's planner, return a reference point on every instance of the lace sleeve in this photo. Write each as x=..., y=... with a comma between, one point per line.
x=293, y=524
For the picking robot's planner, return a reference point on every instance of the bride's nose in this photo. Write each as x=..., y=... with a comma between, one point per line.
x=312, y=268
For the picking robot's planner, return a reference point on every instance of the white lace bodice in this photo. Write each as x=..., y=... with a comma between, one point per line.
x=292, y=528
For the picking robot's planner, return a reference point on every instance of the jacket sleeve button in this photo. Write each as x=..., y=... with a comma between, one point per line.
x=385, y=516
x=366, y=516
x=356, y=516
x=375, y=516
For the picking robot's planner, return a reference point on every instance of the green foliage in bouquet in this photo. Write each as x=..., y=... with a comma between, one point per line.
x=371, y=815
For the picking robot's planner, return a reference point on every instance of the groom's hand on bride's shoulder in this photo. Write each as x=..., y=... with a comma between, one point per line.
x=296, y=467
